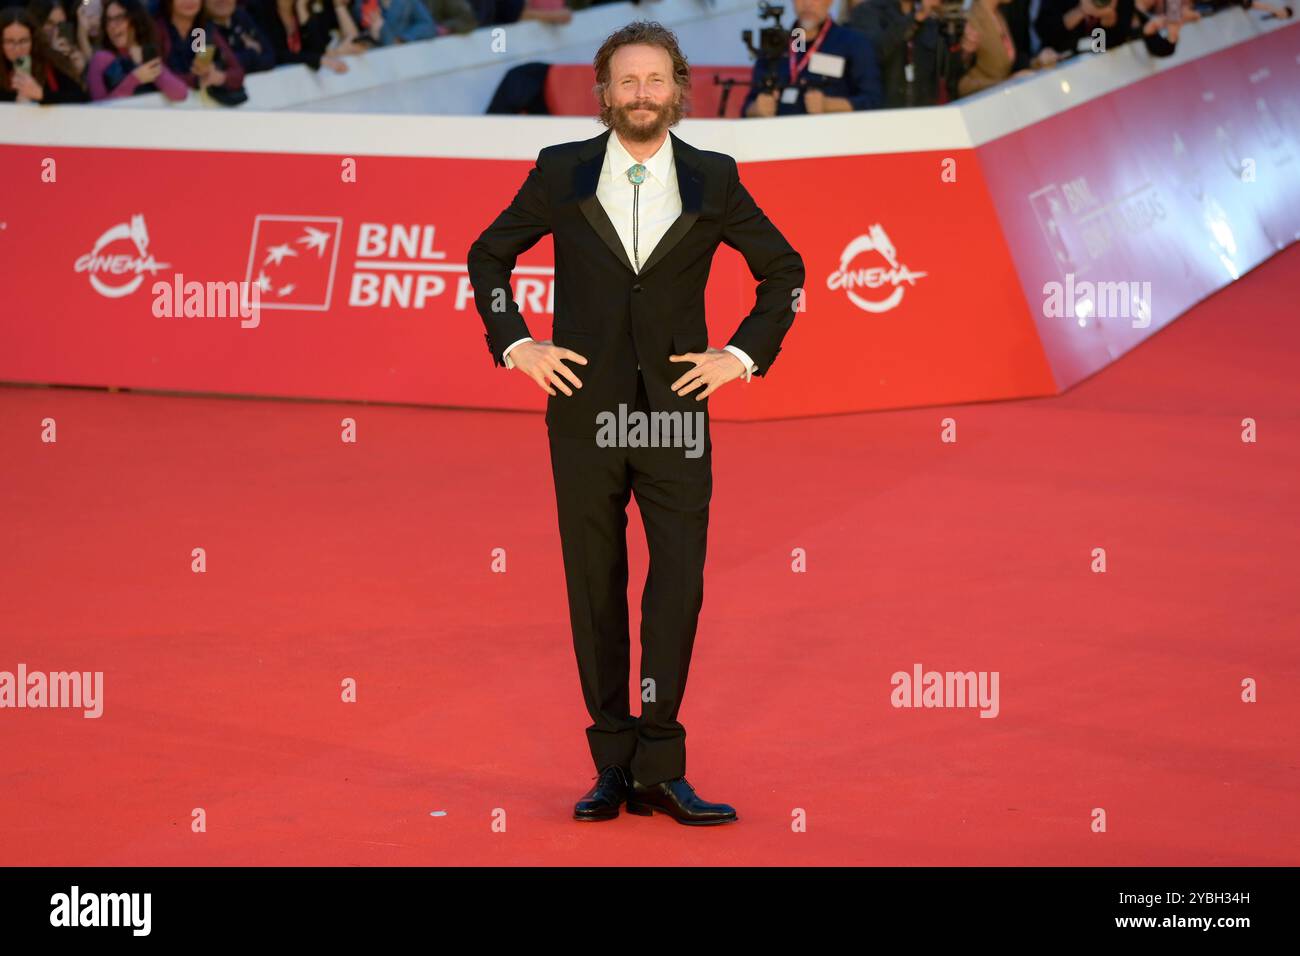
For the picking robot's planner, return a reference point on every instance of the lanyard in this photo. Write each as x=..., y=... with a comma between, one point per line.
x=821, y=35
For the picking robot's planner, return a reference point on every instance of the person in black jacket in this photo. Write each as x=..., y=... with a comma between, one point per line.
x=1070, y=25
x=918, y=63
x=1025, y=38
x=242, y=34
x=636, y=215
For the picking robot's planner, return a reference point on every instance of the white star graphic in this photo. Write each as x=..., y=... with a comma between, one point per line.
x=285, y=289
x=263, y=281
x=277, y=253
x=315, y=239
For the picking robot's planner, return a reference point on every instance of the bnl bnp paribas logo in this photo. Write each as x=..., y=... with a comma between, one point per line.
x=871, y=273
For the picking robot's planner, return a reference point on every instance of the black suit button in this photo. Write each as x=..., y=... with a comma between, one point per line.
x=637, y=287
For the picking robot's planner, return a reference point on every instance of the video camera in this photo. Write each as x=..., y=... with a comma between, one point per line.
x=952, y=16
x=773, y=44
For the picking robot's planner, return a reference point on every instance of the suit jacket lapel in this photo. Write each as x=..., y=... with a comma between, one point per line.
x=689, y=183
x=586, y=177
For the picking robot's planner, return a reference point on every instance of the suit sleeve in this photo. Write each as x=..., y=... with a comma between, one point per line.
x=773, y=263
x=492, y=257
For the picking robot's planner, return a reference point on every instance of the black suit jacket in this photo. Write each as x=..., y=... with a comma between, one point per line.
x=607, y=312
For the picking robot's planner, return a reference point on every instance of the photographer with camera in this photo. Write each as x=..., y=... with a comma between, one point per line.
x=1069, y=26
x=827, y=68
x=915, y=42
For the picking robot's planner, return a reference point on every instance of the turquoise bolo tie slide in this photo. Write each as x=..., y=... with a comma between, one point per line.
x=636, y=174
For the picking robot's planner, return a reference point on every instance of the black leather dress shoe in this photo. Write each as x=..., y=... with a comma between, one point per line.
x=602, y=800
x=677, y=798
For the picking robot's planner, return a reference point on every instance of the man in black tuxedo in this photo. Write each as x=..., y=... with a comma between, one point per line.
x=636, y=215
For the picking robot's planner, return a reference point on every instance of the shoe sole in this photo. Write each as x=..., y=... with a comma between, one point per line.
x=644, y=810
x=604, y=815
x=611, y=814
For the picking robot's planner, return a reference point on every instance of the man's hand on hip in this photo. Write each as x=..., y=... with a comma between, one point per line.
x=713, y=369
x=540, y=361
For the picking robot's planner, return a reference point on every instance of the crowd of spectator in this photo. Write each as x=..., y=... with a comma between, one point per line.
x=878, y=53
x=899, y=53
x=76, y=51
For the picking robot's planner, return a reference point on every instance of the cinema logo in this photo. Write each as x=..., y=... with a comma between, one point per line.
x=877, y=282
x=81, y=690
x=116, y=264
x=946, y=689
x=179, y=299
x=638, y=429
x=75, y=908
x=1098, y=300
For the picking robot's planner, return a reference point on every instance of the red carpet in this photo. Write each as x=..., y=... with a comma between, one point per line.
x=327, y=560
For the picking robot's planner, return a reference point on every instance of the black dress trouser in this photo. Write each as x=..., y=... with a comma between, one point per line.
x=592, y=488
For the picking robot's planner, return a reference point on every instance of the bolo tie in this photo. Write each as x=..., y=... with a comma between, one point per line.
x=636, y=176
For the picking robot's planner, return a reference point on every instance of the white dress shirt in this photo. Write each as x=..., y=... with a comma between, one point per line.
x=657, y=208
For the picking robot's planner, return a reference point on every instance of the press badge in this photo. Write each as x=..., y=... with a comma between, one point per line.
x=790, y=94
x=909, y=72
x=827, y=64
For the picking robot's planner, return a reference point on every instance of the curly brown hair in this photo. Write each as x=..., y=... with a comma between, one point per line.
x=651, y=33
